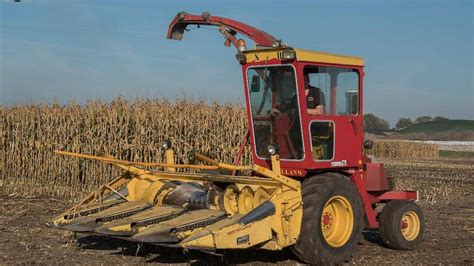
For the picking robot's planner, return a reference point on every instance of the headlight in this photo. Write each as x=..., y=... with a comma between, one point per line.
x=288, y=55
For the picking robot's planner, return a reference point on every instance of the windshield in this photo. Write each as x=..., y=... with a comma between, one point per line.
x=275, y=111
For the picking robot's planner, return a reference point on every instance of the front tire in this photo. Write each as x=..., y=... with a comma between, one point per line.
x=401, y=225
x=332, y=219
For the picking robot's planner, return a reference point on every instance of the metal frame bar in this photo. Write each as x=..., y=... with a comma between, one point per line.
x=182, y=19
x=127, y=163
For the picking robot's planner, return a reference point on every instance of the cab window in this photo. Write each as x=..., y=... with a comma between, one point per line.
x=322, y=140
x=275, y=111
x=331, y=90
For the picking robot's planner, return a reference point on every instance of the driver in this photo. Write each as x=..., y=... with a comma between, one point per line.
x=314, y=98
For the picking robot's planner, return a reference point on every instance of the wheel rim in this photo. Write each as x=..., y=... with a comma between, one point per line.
x=337, y=221
x=410, y=225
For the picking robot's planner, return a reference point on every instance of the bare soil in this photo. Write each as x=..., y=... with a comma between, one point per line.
x=25, y=239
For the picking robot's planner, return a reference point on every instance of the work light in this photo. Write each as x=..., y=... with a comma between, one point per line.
x=241, y=58
x=288, y=55
x=166, y=144
x=272, y=149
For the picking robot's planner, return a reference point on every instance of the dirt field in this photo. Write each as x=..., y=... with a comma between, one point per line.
x=449, y=235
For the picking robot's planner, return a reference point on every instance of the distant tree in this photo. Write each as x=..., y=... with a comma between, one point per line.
x=423, y=119
x=440, y=118
x=403, y=122
x=374, y=123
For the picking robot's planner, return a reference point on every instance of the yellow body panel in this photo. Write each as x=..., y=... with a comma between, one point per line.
x=320, y=57
x=287, y=224
x=205, y=238
x=264, y=55
x=243, y=236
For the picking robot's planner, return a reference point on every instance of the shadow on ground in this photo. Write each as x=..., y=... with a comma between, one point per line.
x=160, y=254
x=372, y=236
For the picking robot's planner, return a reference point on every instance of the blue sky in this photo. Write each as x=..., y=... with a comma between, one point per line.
x=419, y=54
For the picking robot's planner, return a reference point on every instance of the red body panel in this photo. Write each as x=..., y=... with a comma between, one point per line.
x=375, y=177
x=394, y=195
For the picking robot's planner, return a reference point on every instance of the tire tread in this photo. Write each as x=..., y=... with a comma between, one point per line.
x=316, y=190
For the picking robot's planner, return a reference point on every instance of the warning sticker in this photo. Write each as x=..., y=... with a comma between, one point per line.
x=339, y=163
x=243, y=239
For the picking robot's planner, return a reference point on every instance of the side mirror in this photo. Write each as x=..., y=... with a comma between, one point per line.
x=255, y=85
x=368, y=144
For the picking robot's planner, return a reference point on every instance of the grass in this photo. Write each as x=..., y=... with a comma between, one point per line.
x=456, y=154
x=435, y=127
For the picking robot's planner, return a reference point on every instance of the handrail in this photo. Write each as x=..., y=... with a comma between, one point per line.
x=128, y=163
x=222, y=165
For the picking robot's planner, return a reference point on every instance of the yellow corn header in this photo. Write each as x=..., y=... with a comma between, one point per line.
x=192, y=210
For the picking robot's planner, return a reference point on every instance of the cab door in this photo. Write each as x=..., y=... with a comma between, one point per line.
x=334, y=136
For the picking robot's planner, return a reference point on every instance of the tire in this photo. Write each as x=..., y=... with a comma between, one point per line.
x=318, y=245
x=401, y=225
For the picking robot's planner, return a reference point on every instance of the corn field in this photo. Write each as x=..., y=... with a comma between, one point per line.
x=130, y=131
x=402, y=149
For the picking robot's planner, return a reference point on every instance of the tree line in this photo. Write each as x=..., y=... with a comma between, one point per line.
x=375, y=123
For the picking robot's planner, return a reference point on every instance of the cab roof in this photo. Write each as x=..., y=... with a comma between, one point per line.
x=259, y=55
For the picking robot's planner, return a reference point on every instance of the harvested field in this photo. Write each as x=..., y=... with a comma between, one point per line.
x=448, y=238
x=440, y=181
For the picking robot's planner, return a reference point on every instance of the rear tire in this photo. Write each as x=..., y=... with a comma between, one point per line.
x=332, y=219
x=401, y=225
